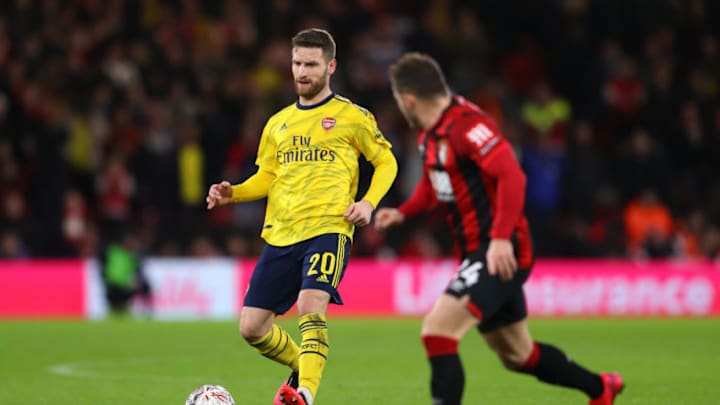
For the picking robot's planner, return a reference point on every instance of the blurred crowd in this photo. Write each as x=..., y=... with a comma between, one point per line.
x=116, y=115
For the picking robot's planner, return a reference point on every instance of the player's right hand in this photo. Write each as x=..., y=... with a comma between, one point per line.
x=501, y=259
x=219, y=194
x=387, y=217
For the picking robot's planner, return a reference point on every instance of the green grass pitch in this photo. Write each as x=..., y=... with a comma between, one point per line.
x=372, y=361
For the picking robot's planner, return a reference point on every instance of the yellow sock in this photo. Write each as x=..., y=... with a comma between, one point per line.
x=313, y=350
x=277, y=345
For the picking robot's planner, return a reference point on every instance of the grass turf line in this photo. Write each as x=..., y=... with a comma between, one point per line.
x=371, y=361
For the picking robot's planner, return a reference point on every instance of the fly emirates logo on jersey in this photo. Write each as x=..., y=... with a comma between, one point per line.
x=301, y=150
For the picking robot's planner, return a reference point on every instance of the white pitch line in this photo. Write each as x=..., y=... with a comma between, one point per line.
x=85, y=369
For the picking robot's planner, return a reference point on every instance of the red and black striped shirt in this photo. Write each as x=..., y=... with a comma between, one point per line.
x=470, y=169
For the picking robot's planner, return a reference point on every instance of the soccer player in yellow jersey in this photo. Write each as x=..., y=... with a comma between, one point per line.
x=308, y=170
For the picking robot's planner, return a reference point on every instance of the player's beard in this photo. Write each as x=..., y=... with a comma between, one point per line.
x=315, y=87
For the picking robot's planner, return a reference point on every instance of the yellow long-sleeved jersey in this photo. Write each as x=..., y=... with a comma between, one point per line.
x=308, y=169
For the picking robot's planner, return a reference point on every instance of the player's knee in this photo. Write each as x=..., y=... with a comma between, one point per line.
x=448, y=323
x=511, y=360
x=433, y=324
x=311, y=301
x=251, y=332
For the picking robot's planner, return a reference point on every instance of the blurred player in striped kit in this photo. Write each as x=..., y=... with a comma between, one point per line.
x=470, y=170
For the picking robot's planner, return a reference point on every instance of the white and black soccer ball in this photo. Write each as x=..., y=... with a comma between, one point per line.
x=210, y=394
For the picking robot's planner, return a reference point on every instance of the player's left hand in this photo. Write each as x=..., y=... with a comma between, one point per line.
x=501, y=259
x=359, y=213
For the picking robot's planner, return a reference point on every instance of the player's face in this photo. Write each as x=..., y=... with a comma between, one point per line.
x=406, y=105
x=310, y=71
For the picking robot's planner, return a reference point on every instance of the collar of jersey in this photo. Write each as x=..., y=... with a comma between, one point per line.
x=318, y=104
x=441, y=118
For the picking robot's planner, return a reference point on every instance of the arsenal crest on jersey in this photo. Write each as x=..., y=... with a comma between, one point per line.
x=328, y=123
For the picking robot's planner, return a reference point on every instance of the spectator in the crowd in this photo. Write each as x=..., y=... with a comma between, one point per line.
x=546, y=116
x=585, y=224
x=648, y=226
x=690, y=158
x=545, y=165
x=586, y=172
x=659, y=114
x=76, y=221
x=713, y=145
x=624, y=93
x=711, y=243
x=116, y=186
x=688, y=238
x=471, y=51
x=641, y=163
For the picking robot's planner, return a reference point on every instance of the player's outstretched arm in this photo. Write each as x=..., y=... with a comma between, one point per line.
x=254, y=188
x=388, y=217
x=219, y=194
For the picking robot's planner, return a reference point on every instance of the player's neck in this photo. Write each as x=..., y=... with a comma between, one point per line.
x=429, y=112
x=322, y=95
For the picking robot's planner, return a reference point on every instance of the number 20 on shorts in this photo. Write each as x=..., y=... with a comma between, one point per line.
x=324, y=262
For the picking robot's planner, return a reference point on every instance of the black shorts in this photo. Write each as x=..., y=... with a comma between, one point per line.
x=495, y=302
x=281, y=272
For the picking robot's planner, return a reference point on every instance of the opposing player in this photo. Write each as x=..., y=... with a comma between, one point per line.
x=470, y=170
x=308, y=169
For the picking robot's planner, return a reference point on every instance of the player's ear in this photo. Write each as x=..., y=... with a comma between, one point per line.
x=332, y=65
x=409, y=100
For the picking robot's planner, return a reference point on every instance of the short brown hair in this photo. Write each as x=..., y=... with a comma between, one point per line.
x=418, y=74
x=316, y=38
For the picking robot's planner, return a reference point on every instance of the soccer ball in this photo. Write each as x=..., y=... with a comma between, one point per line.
x=210, y=394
